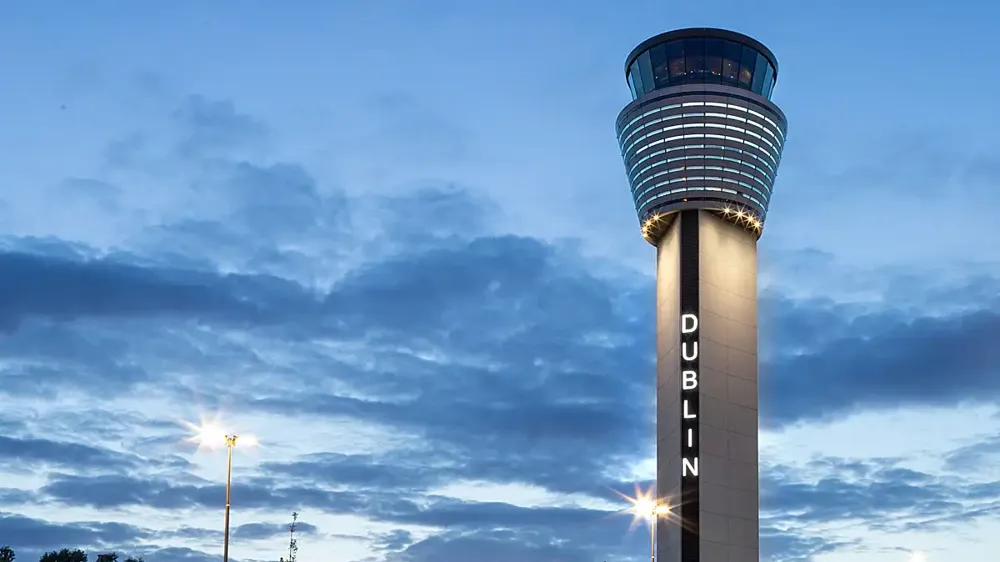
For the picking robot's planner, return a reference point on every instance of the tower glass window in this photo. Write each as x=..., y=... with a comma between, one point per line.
x=675, y=59
x=661, y=71
x=748, y=61
x=694, y=59
x=759, y=73
x=768, y=81
x=731, y=63
x=701, y=60
x=637, y=79
x=715, y=51
x=646, y=71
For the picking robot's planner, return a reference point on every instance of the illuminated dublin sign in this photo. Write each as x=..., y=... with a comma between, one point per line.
x=689, y=396
x=690, y=381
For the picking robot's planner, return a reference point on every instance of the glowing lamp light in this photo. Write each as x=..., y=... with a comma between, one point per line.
x=647, y=508
x=644, y=507
x=213, y=435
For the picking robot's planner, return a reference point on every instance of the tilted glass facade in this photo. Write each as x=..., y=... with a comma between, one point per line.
x=701, y=60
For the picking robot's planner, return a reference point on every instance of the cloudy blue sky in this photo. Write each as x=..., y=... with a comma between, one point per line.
x=393, y=239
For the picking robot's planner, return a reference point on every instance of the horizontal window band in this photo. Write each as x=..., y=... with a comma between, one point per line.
x=640, y=203
x=699, y=125
x=767, y=182
x=780, y=130
x=703, y=136
x=716, y=169
x=737, y=118
x=697, y=147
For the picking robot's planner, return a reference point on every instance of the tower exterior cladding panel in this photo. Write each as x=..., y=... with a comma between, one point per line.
x=701, y=143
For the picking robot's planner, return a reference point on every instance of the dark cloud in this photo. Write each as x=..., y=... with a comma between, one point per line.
x=879, y=493
x=191, y=533
x=213, y=125
x=113, y=491
x=493, y=531
x=179, y=554
x=33, y=285
x=15, y=496
x=406, y=472
x=26, y=453
x=879, y=360
x=393, y=541
x=428, y=217
x=778, y=545
x=974, y=457
x=498, y=546
x=260, y=531
x=37, y=535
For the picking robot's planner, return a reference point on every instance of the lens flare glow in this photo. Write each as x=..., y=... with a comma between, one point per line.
x=645, y=507
x=211, y=434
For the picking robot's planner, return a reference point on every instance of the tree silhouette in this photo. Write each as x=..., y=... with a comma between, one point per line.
x=109, y=557
x=64, y=555
x=7, y=554
x=134, y=559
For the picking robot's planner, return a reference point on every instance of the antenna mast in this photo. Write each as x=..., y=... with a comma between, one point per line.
x=293, y=545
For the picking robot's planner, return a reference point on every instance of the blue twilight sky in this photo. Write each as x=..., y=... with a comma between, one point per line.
x=393, y=239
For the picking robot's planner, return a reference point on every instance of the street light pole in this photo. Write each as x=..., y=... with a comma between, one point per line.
x=230, y=443
x=652, y=537
x=653, y=510
x=210, y=435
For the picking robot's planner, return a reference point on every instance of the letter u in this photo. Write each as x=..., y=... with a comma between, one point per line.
x=694, y=351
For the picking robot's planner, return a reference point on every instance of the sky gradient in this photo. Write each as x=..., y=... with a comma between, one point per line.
x=393, y=239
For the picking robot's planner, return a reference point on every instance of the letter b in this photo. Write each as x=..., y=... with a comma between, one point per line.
x=689, y=380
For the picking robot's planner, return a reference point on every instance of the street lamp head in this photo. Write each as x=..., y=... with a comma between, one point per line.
x=245, y=440
x=649, y=508
x=212, y=435
x=644, y=507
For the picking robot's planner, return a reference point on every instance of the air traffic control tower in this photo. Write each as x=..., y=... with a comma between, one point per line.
x=701, y=142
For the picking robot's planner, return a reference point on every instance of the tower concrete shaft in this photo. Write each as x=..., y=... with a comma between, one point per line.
x=701, y=143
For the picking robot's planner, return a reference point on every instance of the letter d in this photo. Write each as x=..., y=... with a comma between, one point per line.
x=689, y=323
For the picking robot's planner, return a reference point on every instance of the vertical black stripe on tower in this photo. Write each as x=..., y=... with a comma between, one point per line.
x=690, y=304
